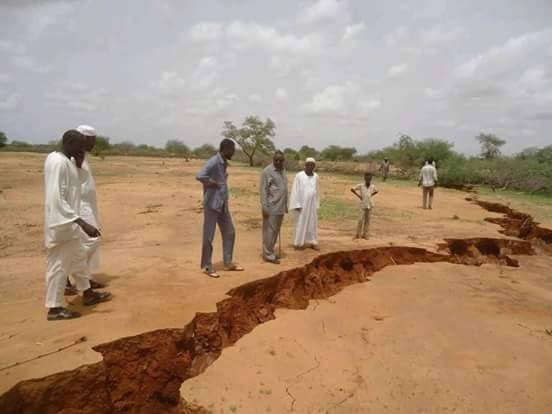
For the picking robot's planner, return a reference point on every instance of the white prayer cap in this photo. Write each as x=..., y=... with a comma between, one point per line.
x=86, y=130
x=310, y=159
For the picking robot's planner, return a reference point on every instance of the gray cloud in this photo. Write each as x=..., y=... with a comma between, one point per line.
x=327, y=71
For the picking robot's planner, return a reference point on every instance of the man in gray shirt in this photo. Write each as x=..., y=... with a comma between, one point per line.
x=214, y=178
x=273, y=190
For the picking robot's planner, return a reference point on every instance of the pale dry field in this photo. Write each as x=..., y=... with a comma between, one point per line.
x=430, y=338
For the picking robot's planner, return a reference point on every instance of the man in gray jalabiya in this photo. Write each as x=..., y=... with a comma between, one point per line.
x=274, y=196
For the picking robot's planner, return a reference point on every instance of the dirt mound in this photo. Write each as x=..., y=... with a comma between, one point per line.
x=515, y=223
x=143, y=373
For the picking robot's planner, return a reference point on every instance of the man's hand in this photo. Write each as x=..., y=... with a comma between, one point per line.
x=211, y=184
x=298, y=209
x=265, y=213
x=90, y=230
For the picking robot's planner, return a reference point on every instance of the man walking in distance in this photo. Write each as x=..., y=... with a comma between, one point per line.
x=304, y=202
x=61, y=229
x=273, y=190
x=428, y=181
x=384, y=168
x=214, y=178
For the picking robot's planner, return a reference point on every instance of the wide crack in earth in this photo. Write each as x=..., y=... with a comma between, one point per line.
x=515, y=223
x=144, y=373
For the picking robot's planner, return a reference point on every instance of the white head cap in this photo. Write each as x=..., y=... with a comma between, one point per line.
x=86, y=130
x=310, y=159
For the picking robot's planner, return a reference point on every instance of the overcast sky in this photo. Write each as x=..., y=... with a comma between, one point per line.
x=352, y=73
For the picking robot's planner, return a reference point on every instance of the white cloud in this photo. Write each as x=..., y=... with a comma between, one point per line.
x=353, y=31
x=281, y=94
x=30, y=63
x=396, y=36
x=347, y=99
x=512, y=55
x=249, y=35
x=434, y=93
x=9, y=101
x=397, y=70
x=77, y=96
x=255, y=98
x=369, y=105
x=226, y=100
x=10, y=47
x=169, y=81
x=324, y=10
x=252, y=35
x=329, y=101
x=206, y=73
x=440, y=35
x=206, y=31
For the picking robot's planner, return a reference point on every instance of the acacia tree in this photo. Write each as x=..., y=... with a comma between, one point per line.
x=253, y=136
x=3, y=139
x=490, y=145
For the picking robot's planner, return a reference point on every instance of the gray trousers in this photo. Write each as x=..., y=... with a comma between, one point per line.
x=427, y=195
x=271, y=229
x=210, y=219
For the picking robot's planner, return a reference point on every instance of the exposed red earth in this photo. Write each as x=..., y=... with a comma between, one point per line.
x=143, y=373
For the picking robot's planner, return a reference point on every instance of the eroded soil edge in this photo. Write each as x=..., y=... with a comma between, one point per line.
x=143, y=373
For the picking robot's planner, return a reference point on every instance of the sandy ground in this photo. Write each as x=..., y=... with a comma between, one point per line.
x=421, y=338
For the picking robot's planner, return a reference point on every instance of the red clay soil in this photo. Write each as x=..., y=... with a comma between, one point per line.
x=143, y=373
x=515, y=223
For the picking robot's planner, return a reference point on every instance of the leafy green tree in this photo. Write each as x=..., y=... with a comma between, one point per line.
x=490, y=145
x=292, y=154
x=177, y=147
x=437, y=149
x=253, y=137
x=125, y=147
x=3, y=139
x=102, y=146
x=305, y=152
x=337, y=153
x=204, y=151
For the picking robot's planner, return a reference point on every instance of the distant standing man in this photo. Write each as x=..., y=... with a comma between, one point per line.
x=428, y=181
x=214, y=178
x=62, y=224
x=384, y=168
x=304, y=202
x=274, y=199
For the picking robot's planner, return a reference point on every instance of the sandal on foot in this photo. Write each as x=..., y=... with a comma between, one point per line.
x=62, y=314
x=94, y=298
x=233, y=267
x=96, y=285
x=211, y=273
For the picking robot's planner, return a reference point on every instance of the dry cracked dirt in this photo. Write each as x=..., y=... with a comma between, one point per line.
x=455, y=315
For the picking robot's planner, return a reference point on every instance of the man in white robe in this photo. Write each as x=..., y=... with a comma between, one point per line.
x=62, y=189
x=304, y=203
x=89, y=206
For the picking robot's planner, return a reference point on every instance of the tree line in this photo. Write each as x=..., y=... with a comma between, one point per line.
x=529, y=170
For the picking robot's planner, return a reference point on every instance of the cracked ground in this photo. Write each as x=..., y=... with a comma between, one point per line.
x=427, y=337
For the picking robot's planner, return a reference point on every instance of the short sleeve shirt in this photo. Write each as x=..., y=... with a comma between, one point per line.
x=366, y=193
